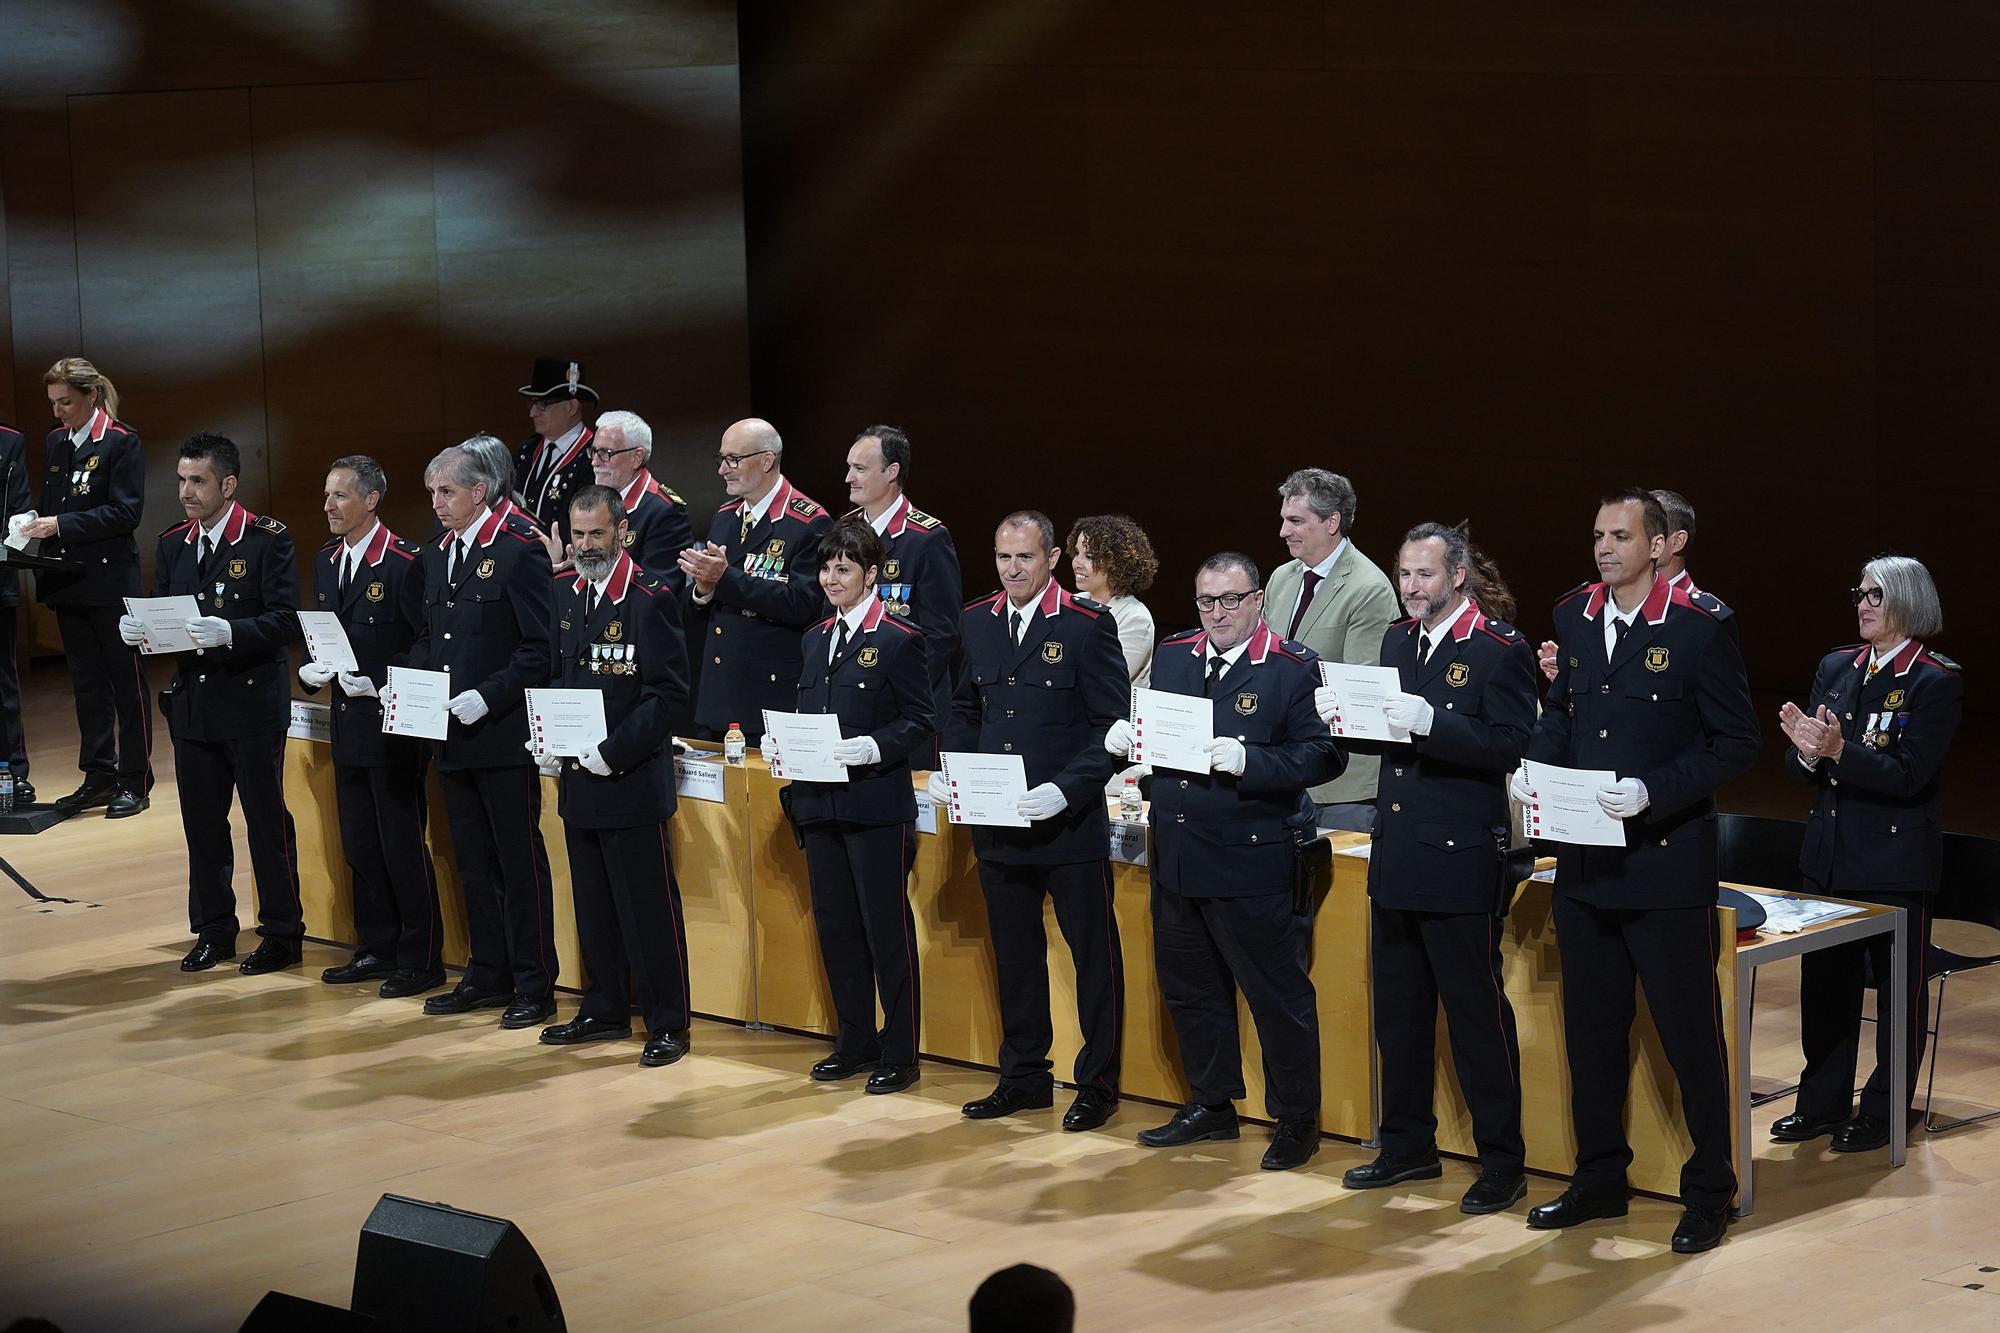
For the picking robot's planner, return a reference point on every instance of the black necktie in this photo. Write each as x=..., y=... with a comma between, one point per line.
x=1014, y=628
x=840, y=644
x=590, y=602
x=1619, y=629
x=457, y=548
x=1216, y=666
x=1423, y=650
x=207, y=550
x=346, y=570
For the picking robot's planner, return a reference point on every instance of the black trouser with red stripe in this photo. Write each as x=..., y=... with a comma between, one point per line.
x=1831, y=982
x=629, y=922
x=503, y=870
x=867, y=935
x=253, y=768
x=114, y=707
x=382, y=815
x=1672, y=952
x=1081, y=893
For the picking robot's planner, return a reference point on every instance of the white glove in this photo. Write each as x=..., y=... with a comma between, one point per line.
x=594, y=761
x=1119, y=739
x=542, y=759
x=1624, y=798
x=467, y=706
x=209, y=632
x=938, y=789
x=1517, y=787
x=1042, y=802
x=768, y=747
x=132, y=630
x=548, y=768
x=1412, y=712
x=1227, y=755
x=856, y=751
x=1326, y=702
x=316, y=674
x=357, y=687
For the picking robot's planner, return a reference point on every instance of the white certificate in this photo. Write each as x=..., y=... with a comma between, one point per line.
x=166, y=620
x=1565, y=807
x=1364, y=691
x=805, y=744
x=414, y=703
x=326, y=641
x=1172, y=730
x=566, y=722
x=985, y=788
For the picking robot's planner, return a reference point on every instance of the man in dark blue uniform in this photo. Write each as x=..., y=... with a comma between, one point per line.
x=1044, y=679
x=230, y=704
x=1651, y=687
x=371, y=579
x=656, y=520
x=617, y=631
x=1228, y=910
x=757, y=580
x=486, y=622
x=13, y=740
x=1434, y=873
x=554, y=463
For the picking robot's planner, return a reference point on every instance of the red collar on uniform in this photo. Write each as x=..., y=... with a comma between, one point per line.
x=583, y=435
x=506, y=508
x=100, y=421
x=642, y=486
x=232, y=526
x=1654, y=608
x=1054, y=598
x=1684, y=579
x=1261, y=642
x=378, y=545
x=1900, y=664
x=899, y=517
x=489, y=529
x=616, y=585
x=1469, y=619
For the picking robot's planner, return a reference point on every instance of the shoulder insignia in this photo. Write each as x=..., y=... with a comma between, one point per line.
x=978, y=602
x=730, y=508
x=670, y=494
x=406, y=552
x=1501, y=630
x=269, y=524
x=918, y=518
x=181, y=526
x=645, y=583
x=803, y=507
x=1085, y=604
x=822, y=625
x=1183, y=637
x=1577, y=591
x=1406, y=620
x=330, y=544
x=1287, y=648
x=901, y=624
x=1933, y=655
x=1709, y=605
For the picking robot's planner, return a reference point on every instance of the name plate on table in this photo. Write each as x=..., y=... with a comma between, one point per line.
x=699, y=779
x=926, y=814
x=311, y=722
x=1128, y=842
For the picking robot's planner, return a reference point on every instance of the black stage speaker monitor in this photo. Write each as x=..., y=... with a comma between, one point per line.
x=429, y=1266
x=281, y=1313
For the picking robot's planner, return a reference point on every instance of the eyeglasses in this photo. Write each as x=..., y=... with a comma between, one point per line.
x=1872, y=596
x=545, y=404
x=606, y=455
x=730, y=462
x=1229, y=600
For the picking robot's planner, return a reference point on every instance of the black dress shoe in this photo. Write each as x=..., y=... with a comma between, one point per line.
x=463, y=999
x=581, y=1029
x=1293, y=1143
x=1798, y=1127
x=1863, y=1133
x=1384, y=1171
x=24, y=792
x=1700, y=1229
x=93, y=792
x=206, y=954
x=125, y=803
x=837, y=1067
x=1573, y=1206
x=1007, y=1099
x=666, y=1048
x=1192, y=1124
x=270, y=955
x=525, y=1011
x=1493, y=1193
x=1092, y=1107
x=892, y=1078
x=407, y=981
x=361, y=967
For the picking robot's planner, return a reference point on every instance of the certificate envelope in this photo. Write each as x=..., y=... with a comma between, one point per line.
x=1172, y=730
x=1364, y=691
x=985, y=788
x=566, y=722
x=326, y=641
x=1565, y=807
x=414, y=704
x=805, y=744
x=166, y=621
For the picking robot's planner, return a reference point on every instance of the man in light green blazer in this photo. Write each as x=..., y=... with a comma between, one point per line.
x=1335, y=601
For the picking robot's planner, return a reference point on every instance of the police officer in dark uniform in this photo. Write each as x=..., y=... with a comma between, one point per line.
x=486, y=622
x=1044, y=679
x=1673, y=564
x=1871, y=741
x=93, y=493
x=617, y=631
x=1652, y=688
x=656, y=520
x=920, y=573
x=230, y=704
x=372, y=580
x=1227, y=907
x=13, y=739
x=1434, y=873
x=866, y=667
x=554, y=463
x=757, y=580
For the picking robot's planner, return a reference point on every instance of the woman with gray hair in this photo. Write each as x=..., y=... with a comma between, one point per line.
x=1871, y=741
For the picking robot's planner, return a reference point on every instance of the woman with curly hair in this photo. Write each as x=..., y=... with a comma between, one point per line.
x=1114, y=563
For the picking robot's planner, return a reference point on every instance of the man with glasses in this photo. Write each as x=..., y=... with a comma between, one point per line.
x=757, y=577
x=657, y=527
x=1228, y=907
x=554, y=462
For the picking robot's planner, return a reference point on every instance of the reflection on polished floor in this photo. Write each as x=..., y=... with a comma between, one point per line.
x=177, y=1145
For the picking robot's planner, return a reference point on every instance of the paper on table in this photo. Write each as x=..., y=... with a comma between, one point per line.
x=985, y=788
x=414, y=703
x=326, y=641
x=565, y=723
x=1565, y=807
x=805, y=744
x=1172, y=730
x=1364, y=692
x=166, y=620
x=1789, y=916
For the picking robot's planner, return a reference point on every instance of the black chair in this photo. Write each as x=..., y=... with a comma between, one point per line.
x=1764, y=854
x=1969, y=891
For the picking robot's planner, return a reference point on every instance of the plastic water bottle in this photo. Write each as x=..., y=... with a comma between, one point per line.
x=1130, y=805
x=734, y=746
x=6, y=788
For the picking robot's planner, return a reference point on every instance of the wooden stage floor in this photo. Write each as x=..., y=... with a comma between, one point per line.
x=175, y=1146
